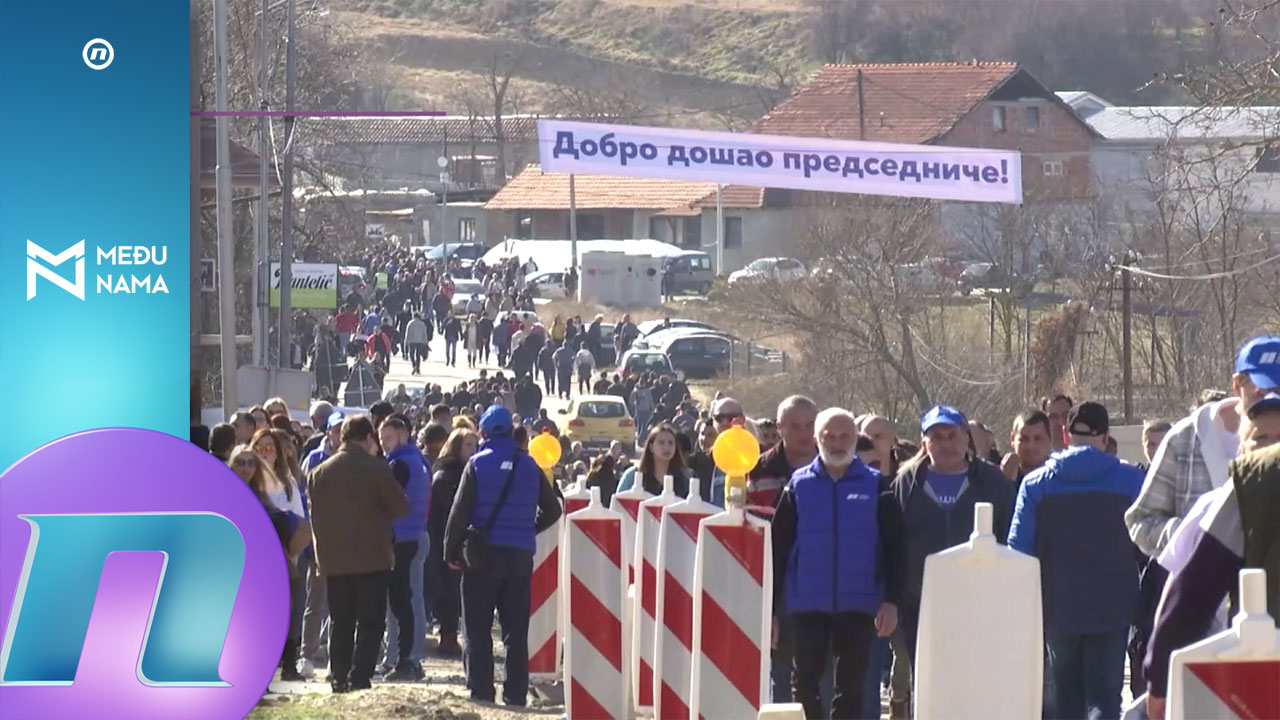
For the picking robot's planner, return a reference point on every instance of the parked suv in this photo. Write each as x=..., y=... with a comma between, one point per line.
x=690, y=272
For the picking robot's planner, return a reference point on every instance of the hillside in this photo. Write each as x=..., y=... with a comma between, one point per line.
x=724, y=62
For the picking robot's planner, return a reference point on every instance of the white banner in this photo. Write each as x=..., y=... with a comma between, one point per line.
x=781, y=161
x=314, y=285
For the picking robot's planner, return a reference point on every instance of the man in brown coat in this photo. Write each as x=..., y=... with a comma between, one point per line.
x=354, y=498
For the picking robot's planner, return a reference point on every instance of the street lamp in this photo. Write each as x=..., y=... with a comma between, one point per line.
x=443, y=163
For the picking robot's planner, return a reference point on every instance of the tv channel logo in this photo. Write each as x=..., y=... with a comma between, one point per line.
x=139, y=578
x=40, y=264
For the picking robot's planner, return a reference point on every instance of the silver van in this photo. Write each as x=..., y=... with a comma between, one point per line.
x=690, y=271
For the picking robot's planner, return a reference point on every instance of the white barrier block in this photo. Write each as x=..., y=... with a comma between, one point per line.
x=980, y=647
x=645, y=612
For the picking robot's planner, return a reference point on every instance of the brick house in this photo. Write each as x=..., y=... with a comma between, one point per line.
x=996, y=105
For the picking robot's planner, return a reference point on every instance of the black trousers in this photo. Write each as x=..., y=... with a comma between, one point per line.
x=445, y=590
x=504, y=587
x=848, y=637
x=566, y=383
x=549, y=379
x=400, y=597
x=357, y=620
x=417, y=351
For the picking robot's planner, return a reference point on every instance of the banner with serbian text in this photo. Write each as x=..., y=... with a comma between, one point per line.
x=781, y=161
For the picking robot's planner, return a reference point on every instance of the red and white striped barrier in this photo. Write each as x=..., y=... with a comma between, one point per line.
x=645, y=611
x=732, y=614
x=628, y=503
x=673, y=643
x=544, y=606
x=576, y=496
x=595, y=663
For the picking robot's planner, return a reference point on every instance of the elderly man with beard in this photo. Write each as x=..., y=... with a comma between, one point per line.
x=839, y=563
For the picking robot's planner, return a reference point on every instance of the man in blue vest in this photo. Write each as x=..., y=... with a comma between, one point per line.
x=839, y=562
x=511, y=520
x=404, y=588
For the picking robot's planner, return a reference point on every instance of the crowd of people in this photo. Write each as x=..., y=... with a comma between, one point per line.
x=403, y=522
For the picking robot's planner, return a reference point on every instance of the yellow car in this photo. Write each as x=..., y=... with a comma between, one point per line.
x=597, y=420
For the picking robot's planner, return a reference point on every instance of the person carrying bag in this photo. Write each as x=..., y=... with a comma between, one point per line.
x=502, y=503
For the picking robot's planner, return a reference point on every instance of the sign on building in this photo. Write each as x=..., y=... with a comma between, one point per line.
x=375, y=231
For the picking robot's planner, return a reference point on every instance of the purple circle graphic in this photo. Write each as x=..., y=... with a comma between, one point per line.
x=130, y=471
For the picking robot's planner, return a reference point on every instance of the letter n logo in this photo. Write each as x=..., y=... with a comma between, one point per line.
x=37, y=255
x=204, y=558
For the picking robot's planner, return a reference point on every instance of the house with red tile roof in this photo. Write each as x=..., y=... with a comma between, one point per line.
x=997, y=105
x=535, y=205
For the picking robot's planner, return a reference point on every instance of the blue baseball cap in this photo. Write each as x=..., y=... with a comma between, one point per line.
x=335, y=419
x=941, y=415
x=1260, y=359
x=1269, y=402
x=496, y=420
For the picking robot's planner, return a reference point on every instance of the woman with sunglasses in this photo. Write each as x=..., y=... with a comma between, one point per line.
x=661, y=457
x=280, y=486
x=295, y=536
x=275, y=447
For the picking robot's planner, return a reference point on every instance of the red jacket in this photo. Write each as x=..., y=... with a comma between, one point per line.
x=346, y=322
x=371, y=345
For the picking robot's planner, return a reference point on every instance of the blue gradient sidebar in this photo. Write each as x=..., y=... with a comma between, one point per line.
x=94, y=208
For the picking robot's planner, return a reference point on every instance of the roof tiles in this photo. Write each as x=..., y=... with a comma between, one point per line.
x=903, y=102
x=533, y=189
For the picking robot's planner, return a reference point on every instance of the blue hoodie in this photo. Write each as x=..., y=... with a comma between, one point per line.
x=1070, y=514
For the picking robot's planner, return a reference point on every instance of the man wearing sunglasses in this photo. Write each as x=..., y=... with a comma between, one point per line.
x=724, y=413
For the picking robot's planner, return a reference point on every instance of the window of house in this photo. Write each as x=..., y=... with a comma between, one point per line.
x=1052, y=168
x=523, y=224
x=590, y=226
x=691, y=237
x=733, y=232
x=656, y=226
x=1033, y=118
x=1268, y=160
x=997, y=118
x=466, y=230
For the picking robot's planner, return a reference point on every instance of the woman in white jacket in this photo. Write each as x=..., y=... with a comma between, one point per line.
x=471, y=338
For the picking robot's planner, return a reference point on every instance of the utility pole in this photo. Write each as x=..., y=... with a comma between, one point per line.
x=261, y=266
x=719, y=229
x=573, y=223
x=1126, y=304
x=862, y=115
x=196, y=190
x=226, y=242
x=285, y=326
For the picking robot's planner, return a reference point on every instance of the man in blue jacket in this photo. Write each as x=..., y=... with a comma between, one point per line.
x=1070, y=514
x=839, y=561
x=410, y=470
x=511, y=520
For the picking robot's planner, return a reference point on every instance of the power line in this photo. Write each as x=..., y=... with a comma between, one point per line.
x=1206, y=276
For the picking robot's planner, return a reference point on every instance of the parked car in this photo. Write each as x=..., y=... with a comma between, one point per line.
x=525, y=315
x=649, y=327
x=547, y=284
x=638, y=362
x=922, y=276
x=466, y=253
x=698, y=355
x=597, y=420
x=770, y=268
x=658, y=339
x=462, y=292
x=690, y=272
x=351, y=278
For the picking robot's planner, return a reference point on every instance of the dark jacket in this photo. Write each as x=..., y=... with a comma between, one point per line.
x=354, y=499
x=837, y=543
x=766, y=481
x=444, y=487
x=1070, y=514
x=530, y=506
x=931, y=529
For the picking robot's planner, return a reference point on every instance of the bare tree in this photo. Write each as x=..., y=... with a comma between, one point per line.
x=495, y=99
